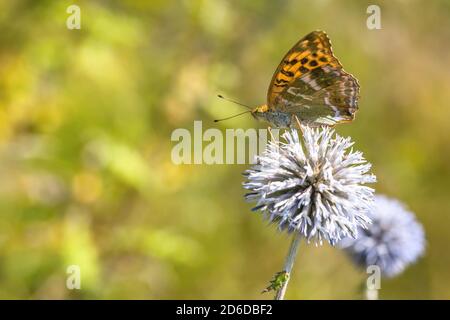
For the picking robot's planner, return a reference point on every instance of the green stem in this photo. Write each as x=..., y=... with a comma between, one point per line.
x=289, y=263
x=371, y=294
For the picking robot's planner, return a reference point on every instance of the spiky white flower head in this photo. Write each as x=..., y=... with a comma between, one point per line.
x=393, y=241
x=313, y=185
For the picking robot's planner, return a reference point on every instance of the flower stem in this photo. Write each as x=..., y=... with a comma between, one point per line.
x=371, y=294
x=289, y=263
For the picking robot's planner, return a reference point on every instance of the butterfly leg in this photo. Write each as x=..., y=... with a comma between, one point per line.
x=299, y=124
x=270, y=132
x=273, y=139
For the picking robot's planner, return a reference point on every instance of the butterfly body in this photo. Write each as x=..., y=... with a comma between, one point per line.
x=276, y=118
x=310, y=86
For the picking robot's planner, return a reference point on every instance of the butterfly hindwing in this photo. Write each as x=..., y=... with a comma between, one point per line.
x=326, y=92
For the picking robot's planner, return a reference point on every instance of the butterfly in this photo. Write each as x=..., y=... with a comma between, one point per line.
x=310, y=86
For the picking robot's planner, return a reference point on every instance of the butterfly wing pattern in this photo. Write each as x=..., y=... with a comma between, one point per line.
x=310, y=84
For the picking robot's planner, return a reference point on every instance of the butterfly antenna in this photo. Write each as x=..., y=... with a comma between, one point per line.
x=236, y=115
x=235, y=102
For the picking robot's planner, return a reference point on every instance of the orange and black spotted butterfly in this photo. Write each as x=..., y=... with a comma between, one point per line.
x=310, y=86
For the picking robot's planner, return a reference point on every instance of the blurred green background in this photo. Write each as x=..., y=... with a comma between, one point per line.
x=85, y=123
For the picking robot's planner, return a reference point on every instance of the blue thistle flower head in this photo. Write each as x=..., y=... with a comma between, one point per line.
x=312, y=184
x=393, y=241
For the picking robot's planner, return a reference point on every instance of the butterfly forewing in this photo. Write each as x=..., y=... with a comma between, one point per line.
x=311, y=84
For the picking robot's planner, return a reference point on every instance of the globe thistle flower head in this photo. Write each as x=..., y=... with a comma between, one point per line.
x=393, y=241
x=314, y=185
